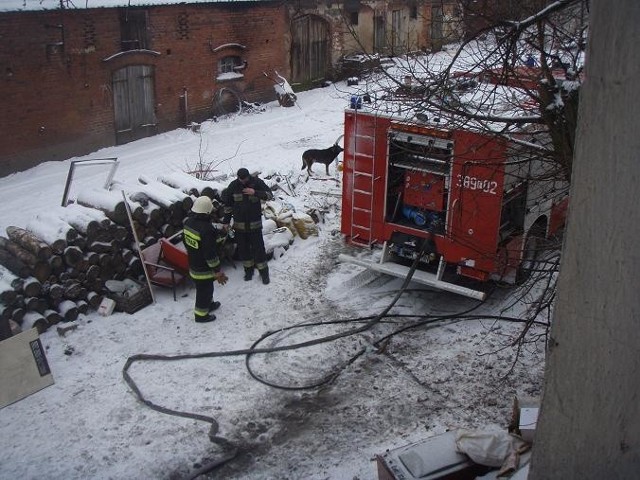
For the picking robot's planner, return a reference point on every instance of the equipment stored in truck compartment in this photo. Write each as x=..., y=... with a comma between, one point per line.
x=469, y=203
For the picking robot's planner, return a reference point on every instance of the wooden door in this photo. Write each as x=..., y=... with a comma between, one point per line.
x=437, y=21
x=309, y=49
x=133, y=103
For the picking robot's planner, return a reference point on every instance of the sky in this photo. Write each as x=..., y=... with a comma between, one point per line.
x=454, y=372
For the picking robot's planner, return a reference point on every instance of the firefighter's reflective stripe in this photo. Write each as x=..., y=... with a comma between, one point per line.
x=251, y=264
x=202, y=275
x=191, y=238
x=200, y=312
x=242, y=226
x=214, y=262
x=239, y=198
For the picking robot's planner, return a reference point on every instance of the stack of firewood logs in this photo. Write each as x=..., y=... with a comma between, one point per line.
x=55, y=268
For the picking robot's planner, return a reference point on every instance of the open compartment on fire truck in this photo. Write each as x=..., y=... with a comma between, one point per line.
x=418, y=180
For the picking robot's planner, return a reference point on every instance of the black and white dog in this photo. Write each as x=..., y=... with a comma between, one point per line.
x=325, y=156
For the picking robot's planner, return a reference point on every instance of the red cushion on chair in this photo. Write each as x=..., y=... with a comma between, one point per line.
x=175, y=256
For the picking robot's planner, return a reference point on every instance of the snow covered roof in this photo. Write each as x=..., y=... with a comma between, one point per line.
x=36, y=5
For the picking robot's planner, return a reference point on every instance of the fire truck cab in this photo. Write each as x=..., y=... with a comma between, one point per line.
x=463, y=201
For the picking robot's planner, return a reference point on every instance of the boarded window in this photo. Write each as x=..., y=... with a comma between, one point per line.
x=133, y=29
x=353, y=18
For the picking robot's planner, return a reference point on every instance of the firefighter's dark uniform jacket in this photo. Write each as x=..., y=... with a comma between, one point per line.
x=201, y=240
x=246, y=209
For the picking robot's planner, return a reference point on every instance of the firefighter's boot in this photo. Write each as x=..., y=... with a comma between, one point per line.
x=264, y=273
x=248, y=273
x=206, y=318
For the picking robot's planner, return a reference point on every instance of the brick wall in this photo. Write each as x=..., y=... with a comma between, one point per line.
x=58, y=99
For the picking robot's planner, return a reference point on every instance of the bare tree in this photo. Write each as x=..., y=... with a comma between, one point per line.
x=517, y=76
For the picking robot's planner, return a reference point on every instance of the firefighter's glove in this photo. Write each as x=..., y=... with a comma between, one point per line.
x=221, y=278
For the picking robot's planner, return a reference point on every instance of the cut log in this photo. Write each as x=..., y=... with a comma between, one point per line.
x=80, y=242
x=72, y=255
x=54, y=290
x=50, y=227
x=155, y=215
x=52, y=316
x=41, y=270
x=23, y=255
x=6, y=310
x=7, y=292
x=8, y=296
x=108, y=202
x=38, y=268
x=92, y=257
x=36, y=304
x=96, y=284
x=139, y=215
x=54, y=302
x=140, y=197
x=94, y=299
x=18, y=315
x=83, y=307
x=57, y=263
x=171, y=230
x=188, y=183
x=68, y=310
x=187, y=203
x=86, y=220
x=30, y=286
x=92, y=273
x=134, y=267
x=29, y=242
x=103, y=247
x=89, y=228
x=107, y=272
x=14, y=265
x=212, y=193
x=159, y=193
x=120, y=233
x=35, y=320
x=52, y=223
x=72, y=291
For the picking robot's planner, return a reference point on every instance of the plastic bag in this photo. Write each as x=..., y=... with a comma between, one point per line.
x=488, y=447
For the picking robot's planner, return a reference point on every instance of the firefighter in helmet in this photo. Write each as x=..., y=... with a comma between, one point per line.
x=201, y=240
x=242, y=200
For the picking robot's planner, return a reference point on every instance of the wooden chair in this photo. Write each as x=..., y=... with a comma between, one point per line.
x=161, y=271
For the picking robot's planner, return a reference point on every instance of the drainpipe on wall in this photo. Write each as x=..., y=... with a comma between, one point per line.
x=185, y=105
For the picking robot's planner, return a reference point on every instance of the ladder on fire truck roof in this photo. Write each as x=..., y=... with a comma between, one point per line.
x=359, y=196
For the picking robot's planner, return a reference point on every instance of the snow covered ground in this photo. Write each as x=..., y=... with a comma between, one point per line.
x=450, y=371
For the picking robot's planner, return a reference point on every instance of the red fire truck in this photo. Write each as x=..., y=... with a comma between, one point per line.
x=467, y=203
